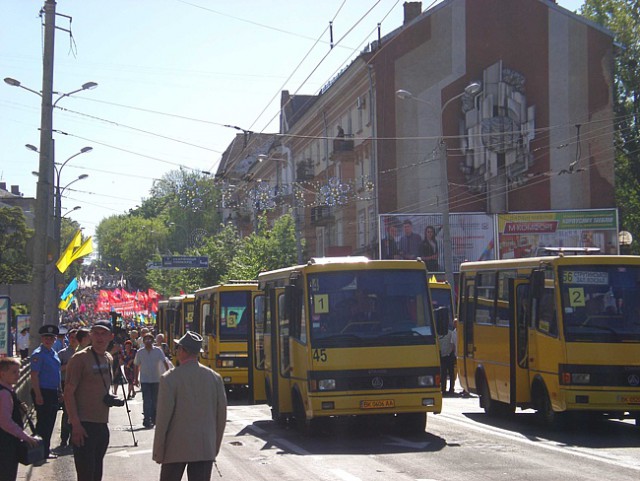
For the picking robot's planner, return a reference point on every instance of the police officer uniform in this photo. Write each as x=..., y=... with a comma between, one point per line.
x=45, y=366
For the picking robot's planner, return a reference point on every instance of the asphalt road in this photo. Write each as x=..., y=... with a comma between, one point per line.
x=459, y=444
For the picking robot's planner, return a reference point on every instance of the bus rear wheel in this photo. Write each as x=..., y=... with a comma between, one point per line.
x=488, y=404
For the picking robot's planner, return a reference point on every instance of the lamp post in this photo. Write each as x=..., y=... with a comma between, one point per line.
x=73, y=209
x=186, y=233
x=45, y=176
x=471, y=89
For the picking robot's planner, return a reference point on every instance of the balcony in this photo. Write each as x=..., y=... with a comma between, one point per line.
x=304, y=171
x=321, y=215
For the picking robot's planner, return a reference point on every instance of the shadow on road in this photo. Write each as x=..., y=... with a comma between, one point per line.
x=574, y=429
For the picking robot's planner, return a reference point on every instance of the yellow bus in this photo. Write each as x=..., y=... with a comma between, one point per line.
x=442, y=299
x=225, y=318
x=350, y=336
x=555, y=333
x=175, y=316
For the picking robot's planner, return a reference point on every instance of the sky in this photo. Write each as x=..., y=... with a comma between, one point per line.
x=171, y=74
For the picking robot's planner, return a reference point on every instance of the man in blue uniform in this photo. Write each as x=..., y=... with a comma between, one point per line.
x=45, y=384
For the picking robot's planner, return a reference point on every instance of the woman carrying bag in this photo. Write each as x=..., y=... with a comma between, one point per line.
x=11, y=426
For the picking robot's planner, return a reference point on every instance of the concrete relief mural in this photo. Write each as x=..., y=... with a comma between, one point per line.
x=498, y=128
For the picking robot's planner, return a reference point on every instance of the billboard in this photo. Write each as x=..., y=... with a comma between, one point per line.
x=479, y=236
x=408, y=236
x=527, y=234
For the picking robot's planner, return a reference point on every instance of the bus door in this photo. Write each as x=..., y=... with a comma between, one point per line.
x=466, y=317
x=519, y=386
x=544, y=348
x=280, y=356
x=255, y=344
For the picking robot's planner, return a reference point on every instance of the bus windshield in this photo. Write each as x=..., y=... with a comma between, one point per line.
x=601, y=303
x=235, y=312
x=369, y=308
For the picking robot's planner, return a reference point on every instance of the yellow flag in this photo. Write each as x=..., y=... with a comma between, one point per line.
x=65, y=259
x=85, y=249
x=64, y=305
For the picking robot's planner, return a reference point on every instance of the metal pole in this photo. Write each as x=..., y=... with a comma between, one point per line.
x=446, y=231
x=41, y=222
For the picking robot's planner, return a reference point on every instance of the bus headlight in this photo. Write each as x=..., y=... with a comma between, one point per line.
x=580, y=378
x=326, y=385
x=224, y=363
x=425, y=381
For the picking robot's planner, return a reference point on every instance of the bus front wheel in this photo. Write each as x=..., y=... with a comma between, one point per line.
x=544, y=407
x=411, y=423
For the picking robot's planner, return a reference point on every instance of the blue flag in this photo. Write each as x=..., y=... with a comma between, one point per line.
x=73, y=285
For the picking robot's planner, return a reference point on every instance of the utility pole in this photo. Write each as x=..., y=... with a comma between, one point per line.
x=45, y=178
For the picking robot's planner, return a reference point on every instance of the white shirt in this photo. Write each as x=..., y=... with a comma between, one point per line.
x=152, y=364
x=22, y=341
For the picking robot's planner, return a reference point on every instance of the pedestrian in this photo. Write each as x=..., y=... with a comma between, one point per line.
x=128, y=357
x=87, y=399
x=150, y=363
x=446, y=361
x=65, y=355
x=60, y=341
x=45, y=385
x=84, y=339
x=22, y=343
x=192, y=413
x=454, y=357
x=11, y=427
x=163, y=345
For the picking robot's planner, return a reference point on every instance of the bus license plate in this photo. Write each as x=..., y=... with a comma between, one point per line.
x=377, y=404
x=629, y=399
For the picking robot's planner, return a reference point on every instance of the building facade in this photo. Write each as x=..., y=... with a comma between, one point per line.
x=473, y=106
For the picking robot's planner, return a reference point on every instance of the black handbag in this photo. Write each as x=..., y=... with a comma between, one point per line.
x=31, y=454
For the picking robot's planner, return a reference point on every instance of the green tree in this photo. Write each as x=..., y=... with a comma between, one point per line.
x=622, y=17
x=219, y=248
x=128, y=243
x=15, y=268
x=266, y=249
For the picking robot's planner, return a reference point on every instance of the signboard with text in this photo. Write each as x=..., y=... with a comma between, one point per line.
x=185, y=262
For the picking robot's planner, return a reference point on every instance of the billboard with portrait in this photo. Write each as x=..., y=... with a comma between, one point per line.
x=408, y=236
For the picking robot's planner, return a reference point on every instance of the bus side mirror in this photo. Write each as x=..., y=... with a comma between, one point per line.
x=442, y=320
x=537, y=283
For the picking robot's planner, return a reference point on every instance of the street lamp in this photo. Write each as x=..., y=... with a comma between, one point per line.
x=77, y=207
x=43, y=299
x=472, y=89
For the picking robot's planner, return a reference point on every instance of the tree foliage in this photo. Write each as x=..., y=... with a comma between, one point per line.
x=622, y=17
x=266, y=249
x=15, y=267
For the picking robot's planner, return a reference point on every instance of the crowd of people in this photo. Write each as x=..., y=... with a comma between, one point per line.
x=80, y=368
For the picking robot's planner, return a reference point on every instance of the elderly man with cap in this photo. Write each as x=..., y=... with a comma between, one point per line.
x=86, y=397
x=45, y=384
x=149, y=364
x=192, y=413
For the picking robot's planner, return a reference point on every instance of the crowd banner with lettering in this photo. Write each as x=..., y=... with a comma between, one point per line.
x=526, y=234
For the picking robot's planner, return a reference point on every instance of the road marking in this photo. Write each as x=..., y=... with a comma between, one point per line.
x=541, y=443
x=127, y=454
x=345, y=476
